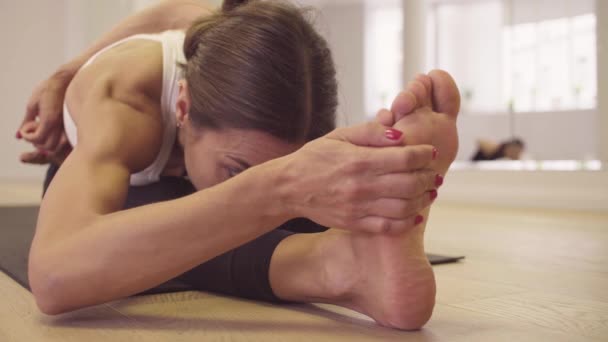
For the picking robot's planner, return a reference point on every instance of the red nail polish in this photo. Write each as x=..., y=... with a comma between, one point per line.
x=418, y=220
x=393, y=134
x=438, y=181
x=18, y=135
x=435, y=153
x=433, y=194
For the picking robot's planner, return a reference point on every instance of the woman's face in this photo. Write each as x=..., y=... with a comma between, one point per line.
x=213, y=156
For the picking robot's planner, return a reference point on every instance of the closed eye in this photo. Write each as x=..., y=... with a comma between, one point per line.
x=233, y=172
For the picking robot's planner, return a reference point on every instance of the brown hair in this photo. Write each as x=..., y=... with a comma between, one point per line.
x=261, y=65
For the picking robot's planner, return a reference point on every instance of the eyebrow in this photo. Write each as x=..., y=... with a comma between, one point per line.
x=245, y=165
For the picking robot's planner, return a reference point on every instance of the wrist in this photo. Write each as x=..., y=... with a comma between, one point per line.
x=68, y=70
x=278, y=188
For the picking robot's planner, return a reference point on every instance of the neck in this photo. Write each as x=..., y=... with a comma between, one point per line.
x=176, y=166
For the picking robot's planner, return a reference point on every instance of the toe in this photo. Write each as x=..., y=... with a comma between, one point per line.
x=418, y=88
x=446, y=97
x=404, y=104
x=427, y=82
x=385, y=117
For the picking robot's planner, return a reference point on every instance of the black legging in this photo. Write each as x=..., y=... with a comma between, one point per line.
x=242, y=272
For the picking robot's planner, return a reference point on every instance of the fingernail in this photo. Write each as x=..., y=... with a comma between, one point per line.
x=433, y=194
x=418, y=220
x=18, y=135
x=435, y=153
x=438, y=181
x=393, y=134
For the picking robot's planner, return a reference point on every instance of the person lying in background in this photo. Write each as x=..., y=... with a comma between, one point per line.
x=489, y=150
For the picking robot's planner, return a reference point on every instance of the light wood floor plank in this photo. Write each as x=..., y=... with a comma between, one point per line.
x=454, y=324
x=559, y=313
x=457, y=289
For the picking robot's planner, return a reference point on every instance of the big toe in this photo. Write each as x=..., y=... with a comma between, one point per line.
x=446, y=97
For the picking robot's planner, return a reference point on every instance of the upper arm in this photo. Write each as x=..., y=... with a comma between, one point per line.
x=114, y=141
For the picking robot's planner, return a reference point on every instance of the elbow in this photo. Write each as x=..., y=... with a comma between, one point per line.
x=49, y=290
x=50, y=307
x=46, y=299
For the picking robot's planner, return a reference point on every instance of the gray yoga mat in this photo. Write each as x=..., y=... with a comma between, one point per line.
x=17, y=226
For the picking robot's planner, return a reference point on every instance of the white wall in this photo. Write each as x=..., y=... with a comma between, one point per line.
x=88, y=20
x=37, y=37
x=32, y=35
x=342, y=24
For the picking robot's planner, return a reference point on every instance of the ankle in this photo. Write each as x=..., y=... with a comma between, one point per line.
x=339, y=270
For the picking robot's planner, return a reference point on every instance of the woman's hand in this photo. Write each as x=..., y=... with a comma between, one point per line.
x=338, y=182
x=43, y=157
x=42, y=125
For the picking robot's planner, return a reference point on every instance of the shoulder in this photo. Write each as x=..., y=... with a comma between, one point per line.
x=125, y=72
x=115, y=102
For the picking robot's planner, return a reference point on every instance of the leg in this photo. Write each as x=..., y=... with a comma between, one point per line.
x=241, y=272
x=386, y=277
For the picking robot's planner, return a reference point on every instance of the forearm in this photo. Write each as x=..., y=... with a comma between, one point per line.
x=167, y=15
x=133, y=250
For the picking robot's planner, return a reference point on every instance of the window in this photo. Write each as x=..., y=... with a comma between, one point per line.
x=519, y=55
x=550, y=65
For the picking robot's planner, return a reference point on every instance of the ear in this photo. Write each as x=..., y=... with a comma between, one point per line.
x=183, y=104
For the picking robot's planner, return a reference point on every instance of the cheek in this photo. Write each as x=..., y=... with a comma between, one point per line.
x=201, y=170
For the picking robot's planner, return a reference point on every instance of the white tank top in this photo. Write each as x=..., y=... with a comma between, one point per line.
x=172, y=44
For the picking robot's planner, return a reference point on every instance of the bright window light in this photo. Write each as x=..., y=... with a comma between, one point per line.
x=551, y=65
x=520, y=56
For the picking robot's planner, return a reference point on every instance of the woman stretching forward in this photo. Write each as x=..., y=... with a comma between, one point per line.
x=247, y=112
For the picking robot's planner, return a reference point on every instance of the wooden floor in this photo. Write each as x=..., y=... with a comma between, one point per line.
x=528, y=276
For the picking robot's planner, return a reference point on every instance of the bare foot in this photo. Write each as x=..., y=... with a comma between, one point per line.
x=432, y=118
x=388, y=277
